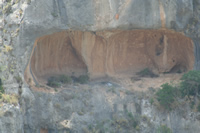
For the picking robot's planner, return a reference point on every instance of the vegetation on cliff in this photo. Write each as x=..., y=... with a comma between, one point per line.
x=65, y=79
x=169, y=96
x=1, y=89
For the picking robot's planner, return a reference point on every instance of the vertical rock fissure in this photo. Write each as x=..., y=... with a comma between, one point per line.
x=78, y=56
x=162, y=14
x=197, y=54
x=165, y=52
x=62, y=11
x=31, y=72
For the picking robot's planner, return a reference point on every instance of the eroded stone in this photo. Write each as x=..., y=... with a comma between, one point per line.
x=110, y=53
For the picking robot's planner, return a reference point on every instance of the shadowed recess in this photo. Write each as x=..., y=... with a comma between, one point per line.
x=110, y=53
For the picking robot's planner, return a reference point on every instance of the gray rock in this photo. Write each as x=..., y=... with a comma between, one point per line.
x=11, y=119
x=73, y=110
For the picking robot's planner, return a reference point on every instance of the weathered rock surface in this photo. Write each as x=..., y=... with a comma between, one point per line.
x=11, y=119
x=47, y=17
x=110, y=53
x=97, y=15
x=24, y=23
x=104, y=107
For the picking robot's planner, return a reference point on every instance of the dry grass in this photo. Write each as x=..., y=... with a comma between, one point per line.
x=11, y=99
x=7, y=48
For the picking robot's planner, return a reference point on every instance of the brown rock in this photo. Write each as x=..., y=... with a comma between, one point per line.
x=110, y=53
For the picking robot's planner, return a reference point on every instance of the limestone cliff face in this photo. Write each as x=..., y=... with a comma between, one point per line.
x=98, y=14
x=40, y=38
x=46, y=17
x=43, y=18
x=33, y=19
x=111, y=53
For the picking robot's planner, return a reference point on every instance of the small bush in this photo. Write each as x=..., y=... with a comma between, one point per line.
x=65, y=79
x=7, y=9
x=130, y=121
x=166, y=95
x=134, y=121
x=192, y=104
x=11, y=99
x=57, y=81
x=190, y=84
x=18, y=79
x=198, y=107
x=1, y=89
x=54, y=14
x=53, y=82
x=28, y=1
x=146, y=73
x=83, y=79
x=7, y=48
x=164, y=129
x=151, y=101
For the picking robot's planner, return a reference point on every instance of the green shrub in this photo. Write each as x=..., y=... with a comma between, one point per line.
x=198, y=107
x=54, y=14
x=166, y=95
x=190, y=84
x=28, y=1
x=83, y=79
x=1, y=89
x=53, y=82
x=65, y=79
x=151, y=101
x=57, y=81
x=134, y=121
x=164, y=129
x=130, y=121
x=146, y=73
x=192, y=104
x=18, y=79
x=7, y=9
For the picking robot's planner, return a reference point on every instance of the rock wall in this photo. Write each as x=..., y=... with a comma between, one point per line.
x=98, y=15
x=47, y=17
x=11, y=119
x=23, y=22
x=44, y=18
x=111, y=53
x=94, y=107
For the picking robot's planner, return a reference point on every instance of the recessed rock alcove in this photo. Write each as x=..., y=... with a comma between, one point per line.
x=109, y=53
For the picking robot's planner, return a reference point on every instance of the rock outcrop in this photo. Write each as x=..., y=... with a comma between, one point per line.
x=40, y=38
x=11, y=119
x=83, y=109
x=110, y=53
